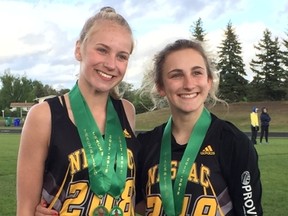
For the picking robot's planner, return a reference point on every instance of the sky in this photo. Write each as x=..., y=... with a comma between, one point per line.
x=37, y=37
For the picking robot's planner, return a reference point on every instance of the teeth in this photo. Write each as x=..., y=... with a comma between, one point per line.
x=188, y=95
x=104, y=75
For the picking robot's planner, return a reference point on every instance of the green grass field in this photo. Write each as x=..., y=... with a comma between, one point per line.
x=273, y=159
x=237, y=113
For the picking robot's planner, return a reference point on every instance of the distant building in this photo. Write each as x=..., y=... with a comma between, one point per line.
x=41, y=99
x=24, y=106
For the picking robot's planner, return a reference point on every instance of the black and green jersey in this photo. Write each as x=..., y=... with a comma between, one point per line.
x=224, y=179
x=66, y=178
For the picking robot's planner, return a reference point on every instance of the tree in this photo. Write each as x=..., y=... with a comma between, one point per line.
x=142, y=102
x=269, y=74
x=126, y=89
x=14, y=89
x=21, y=89
x=231, y=67
x=38, y=89
x=285, y=63
x=197, y=30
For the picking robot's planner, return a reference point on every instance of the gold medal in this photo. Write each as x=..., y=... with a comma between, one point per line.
x=116, y=211
x=101, y=211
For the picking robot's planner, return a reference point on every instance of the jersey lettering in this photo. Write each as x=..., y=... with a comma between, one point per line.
x=195, y=176
x=78, y=161
x=78, y=194
x=205, y=206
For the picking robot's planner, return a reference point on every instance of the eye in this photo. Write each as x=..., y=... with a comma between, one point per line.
x=123, y=57
x=175, y=74
x=197, y=72
x=102, y=50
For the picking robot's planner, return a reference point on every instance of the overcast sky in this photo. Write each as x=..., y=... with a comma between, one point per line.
x=37, y=38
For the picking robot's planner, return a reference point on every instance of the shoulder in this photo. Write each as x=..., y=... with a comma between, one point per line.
x=37, y=125
x=228, y=131
x=39, y=115
x=41, y=110
x=130, y=112
x=128, y=106
x=231, y=142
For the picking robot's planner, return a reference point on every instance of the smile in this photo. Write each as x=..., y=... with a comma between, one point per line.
x=188, y=95
x=104, y=75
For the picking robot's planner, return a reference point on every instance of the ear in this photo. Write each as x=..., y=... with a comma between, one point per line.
x=77, y=51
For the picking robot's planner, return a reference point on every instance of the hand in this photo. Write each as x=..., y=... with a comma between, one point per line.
x=257, y=128
x=42, y=210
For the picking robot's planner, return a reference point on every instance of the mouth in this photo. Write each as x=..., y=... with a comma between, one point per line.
x=188, y=96
x=104, y=75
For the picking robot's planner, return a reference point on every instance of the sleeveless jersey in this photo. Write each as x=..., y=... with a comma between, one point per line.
x=66, y=178
x=224, y=179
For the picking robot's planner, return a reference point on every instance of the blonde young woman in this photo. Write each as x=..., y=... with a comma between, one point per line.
x=78, y=152
x=194, y=164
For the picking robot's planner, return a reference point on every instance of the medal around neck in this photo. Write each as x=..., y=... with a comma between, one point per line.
x=116, y=211
x=107, y=158
x=172, y=196
x=100, y=211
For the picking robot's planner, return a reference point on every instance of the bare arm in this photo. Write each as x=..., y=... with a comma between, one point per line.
x=32, y=153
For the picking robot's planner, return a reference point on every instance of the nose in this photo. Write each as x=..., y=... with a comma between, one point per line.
x=110, y=62
x=188, y=82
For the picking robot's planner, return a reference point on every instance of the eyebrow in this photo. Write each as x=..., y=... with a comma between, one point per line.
x=198, y=67
x=180, y=70
x=109, y=48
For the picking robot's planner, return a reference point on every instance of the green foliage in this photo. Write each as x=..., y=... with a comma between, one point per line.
x=231, y=67
x=269, y=80
x=197, y=30
x=285, y=55
x=142, y=103
x=14, y=89
x=127, y=90
x=284, y=62
x=22, y=89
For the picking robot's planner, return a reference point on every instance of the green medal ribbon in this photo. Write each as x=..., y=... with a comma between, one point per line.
x=107, y=158
x=172, y=197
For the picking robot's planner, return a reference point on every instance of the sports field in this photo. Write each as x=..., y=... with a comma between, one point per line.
x=273, y=160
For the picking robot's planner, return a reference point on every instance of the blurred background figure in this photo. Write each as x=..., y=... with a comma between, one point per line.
x=254, y=124
x=265, y=119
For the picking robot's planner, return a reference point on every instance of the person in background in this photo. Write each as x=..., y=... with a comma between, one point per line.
x=254, y=124
x=78, y=152
x=265, y=120
x=195, y=163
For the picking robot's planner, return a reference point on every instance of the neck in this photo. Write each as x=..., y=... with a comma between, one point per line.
x=183, y=125
x=92, y=96
x=96, y=102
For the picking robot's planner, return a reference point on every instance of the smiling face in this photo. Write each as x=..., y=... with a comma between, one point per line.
x=185, y=81
x=104, y=56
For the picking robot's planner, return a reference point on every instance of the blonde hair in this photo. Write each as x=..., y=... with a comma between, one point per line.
x=154, y=79
x=105, y=14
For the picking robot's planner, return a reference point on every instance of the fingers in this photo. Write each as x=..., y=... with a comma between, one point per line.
x=42, y=210
x=43, y=203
